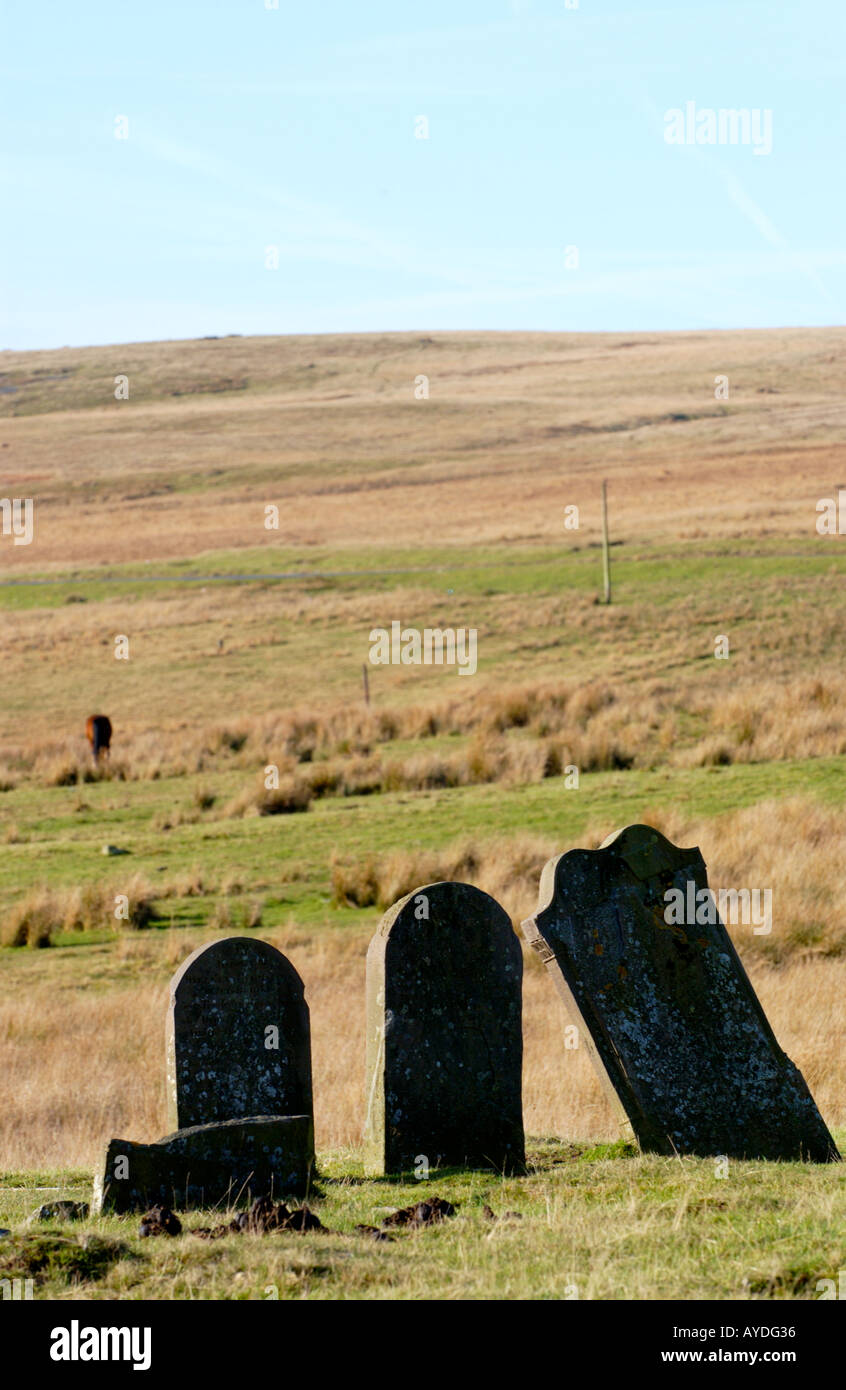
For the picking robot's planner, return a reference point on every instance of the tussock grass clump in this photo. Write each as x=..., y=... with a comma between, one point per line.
x=507, y=869
x=189, y=884
x=512, y=710
x=69, y=770
x=95, y=906
x=588, y=700
x=714, y=751
x=422, y=771
x=46, y=912
x=485, y=759
x=228, y=739
x=292, y=794
x=140, y=906
x=355, y=882
x=72, y=1260
x=324, y=778
x=767, y=721
x=242, y=916
x=362, y=776
x=602, y=753
x=30, y=922
x=601, y=725
x=62, y=772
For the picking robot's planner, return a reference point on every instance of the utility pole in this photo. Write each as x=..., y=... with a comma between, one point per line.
x=606, y=558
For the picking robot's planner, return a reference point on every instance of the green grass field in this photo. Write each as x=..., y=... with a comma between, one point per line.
x=586, y=1223
x=285, y=859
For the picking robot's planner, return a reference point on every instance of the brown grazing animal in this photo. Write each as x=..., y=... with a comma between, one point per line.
x=98, y=730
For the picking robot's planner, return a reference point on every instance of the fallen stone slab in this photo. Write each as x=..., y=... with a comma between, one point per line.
x=208, y=1165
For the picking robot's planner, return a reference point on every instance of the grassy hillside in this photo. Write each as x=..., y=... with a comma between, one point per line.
x=246, y=648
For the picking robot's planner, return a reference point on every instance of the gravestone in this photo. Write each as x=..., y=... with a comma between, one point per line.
x=238, y=1039
x=239, y=1088
x=666, y=1010
x=444, y=1035
x=213, y=1165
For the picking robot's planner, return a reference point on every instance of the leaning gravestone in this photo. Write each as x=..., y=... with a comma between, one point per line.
x=444, y=1034
x=238, y=1039
x=239, y=1088
x=666, y=1010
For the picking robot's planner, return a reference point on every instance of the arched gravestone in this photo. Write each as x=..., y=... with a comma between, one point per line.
x=444, y=1034
x=667, y=1011
x=238, y=1041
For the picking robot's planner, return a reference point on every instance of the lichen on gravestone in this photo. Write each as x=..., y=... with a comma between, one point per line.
x=238, y=1037
x=444, y=1035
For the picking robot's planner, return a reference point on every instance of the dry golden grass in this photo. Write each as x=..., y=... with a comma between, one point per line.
x=759, y=723
x=292, y=794
x=517, y=427
x=520, y=734
x=507, y=869
x=94, y=906
x=240, y=916
x=285, y=420
x=44, y=912
x=78, y=1067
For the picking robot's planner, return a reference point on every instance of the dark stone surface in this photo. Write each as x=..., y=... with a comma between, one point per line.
x=667, y=1012
x=223, y=999
x=444, y=1034
x=228, y=1163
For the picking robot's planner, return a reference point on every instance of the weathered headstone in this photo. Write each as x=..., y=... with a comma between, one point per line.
x=666, y=1010
x=239, y=1088
x=209, y=1165
x=444, y=1034
x=238, y=1040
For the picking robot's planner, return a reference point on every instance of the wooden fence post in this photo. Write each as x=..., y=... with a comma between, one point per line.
x=606, y=558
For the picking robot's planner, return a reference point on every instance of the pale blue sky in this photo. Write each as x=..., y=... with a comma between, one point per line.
x=252, y=127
